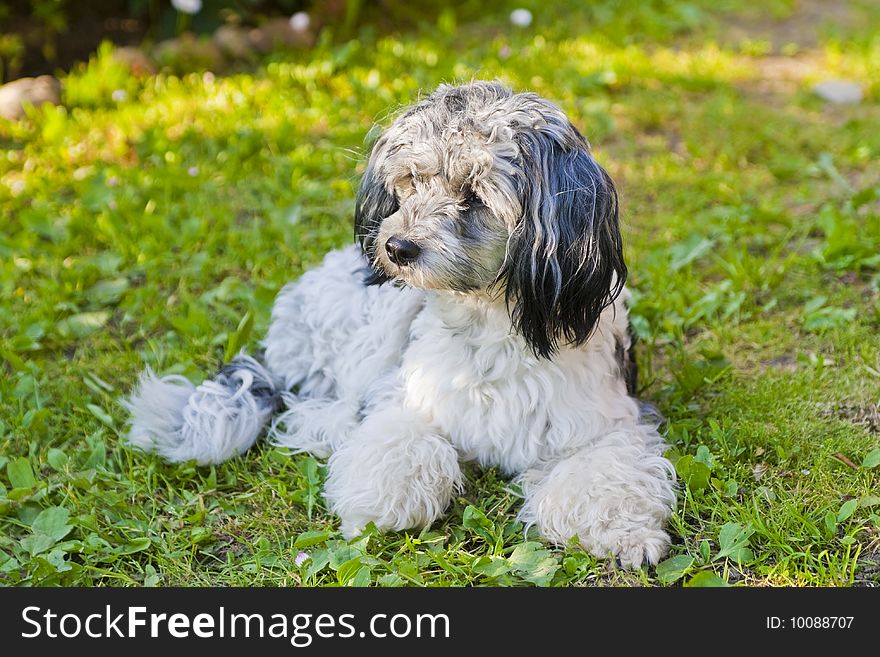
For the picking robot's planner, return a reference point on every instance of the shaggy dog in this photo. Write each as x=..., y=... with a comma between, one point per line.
x=481, y=317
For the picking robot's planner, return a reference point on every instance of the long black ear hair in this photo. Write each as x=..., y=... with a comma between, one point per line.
x=565, y=259
x=372, y=204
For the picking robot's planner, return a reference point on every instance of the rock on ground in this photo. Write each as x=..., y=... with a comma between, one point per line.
x=16, y=95
x=839, y=91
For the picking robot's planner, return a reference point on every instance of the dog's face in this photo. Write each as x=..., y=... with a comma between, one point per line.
x=480, y=189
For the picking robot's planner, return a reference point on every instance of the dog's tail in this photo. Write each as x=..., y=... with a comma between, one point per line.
x=211, y=422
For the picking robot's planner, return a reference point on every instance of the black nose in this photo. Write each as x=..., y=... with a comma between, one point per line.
x=401, y=251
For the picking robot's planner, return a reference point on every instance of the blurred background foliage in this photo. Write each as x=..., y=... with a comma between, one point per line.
x=42, y=36
x=37, y=36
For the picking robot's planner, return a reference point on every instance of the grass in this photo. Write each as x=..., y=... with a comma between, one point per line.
x=144, y=227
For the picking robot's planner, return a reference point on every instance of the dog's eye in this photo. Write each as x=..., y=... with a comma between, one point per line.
x=471, y=200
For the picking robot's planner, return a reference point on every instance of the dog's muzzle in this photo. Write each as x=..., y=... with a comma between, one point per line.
x=400, y=251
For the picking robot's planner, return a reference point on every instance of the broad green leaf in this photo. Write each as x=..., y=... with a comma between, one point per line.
x=341, y=552
x=704, y=456
x=151, y=577
x=534, y=563
x=20, y=473
x=869, y=501
x=82, y=324
x=101, y=414
x=52, y=522
x=705, y=550
x=200, y=534
x=309, y=538
x=19, y=493
x=847, y=509
x=475, y=520
x=318, y=561
x=705, y=579
x=694, y=473
x=56, y=558
x=56, y=458
x=348, y=570
x=872, y=459
x=136, y=545
x=362, y=578
x=105, y=293
x=391, y=580
x=37, y=543
x=733, y=541
x=8, y=563
x=491, y=566
x=831, y=522
x=674, y=568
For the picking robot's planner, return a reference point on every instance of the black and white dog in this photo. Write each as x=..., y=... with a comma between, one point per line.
x=482, y=317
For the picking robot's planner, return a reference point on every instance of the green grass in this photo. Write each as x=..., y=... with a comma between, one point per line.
x=141, y=231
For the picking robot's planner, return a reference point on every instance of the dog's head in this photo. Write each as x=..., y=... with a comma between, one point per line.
x=478, y=188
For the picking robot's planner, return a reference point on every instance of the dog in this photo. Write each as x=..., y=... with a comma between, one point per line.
x=480, y=316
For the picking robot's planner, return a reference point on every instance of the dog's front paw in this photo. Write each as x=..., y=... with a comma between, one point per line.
x=394, y=472
x=614, y=497
x=632, y=539
x=633, y=535
x=640, y=546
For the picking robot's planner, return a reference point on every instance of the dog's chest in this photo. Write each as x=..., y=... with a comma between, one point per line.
x=500, y=405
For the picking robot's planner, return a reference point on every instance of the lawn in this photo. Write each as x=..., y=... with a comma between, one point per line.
x=152, y=220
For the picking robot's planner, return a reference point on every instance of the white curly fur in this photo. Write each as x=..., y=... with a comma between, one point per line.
x=210, y=423
x=395, y=384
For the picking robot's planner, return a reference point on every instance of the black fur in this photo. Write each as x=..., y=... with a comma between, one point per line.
x=455, y=101
x=263, y=388
x=554, y=293
x=626, y=360
x=372, y=205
